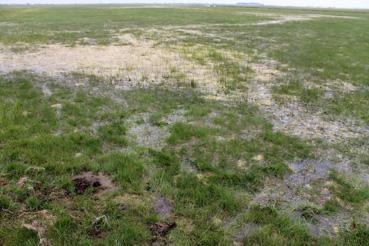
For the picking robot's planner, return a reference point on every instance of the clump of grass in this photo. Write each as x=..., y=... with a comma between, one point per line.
x=250, y=181
x=347, y=191
x=114, y=133
x=354, y=103
x=168, y=162
x=293, y=87
x=309, y=212
x=155, y=118
x=33, y=203
x=277, y=229
x=129, y=233
x=192, y=192
x=163, y=159
x=357, y=235
x=127, y=169
x=15, y=169
x=4, y=202
x=10, y=234
x=193, y=83
x=183, y=132
x=311, y=95
x=253, y=178
x=331, y=206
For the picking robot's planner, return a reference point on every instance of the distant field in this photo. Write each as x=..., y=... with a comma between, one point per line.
x=183, y=125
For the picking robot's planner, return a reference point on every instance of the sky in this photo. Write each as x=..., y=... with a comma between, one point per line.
x=305, y=3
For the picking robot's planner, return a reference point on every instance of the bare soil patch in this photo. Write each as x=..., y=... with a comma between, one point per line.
x=291, y=117
x=133, y=63
x=307, y=187
x=161, y=229
x=281, y=19
x=145, y=134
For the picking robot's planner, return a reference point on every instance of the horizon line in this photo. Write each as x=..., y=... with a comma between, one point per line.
x=240, y=4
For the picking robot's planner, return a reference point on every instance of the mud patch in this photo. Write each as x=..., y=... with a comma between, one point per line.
x=163, y=207
x=89, y=180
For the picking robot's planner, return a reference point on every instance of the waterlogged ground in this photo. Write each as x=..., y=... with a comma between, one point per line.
x=160, y=125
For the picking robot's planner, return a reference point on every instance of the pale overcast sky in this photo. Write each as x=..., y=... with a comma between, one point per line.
x=311, y=3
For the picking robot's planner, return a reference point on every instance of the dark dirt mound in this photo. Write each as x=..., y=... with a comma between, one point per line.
x=161, y=229
x=89, y=180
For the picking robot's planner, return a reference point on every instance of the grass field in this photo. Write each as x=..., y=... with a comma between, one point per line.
x=183, y=125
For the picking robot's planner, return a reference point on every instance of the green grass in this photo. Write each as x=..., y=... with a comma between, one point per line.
x=29, y=141
x=276, y=229
x=351, y=104
x=67, y=24
x=358, y=235
x=183, y=132
x=331, y=206
x=127, y=170
x=347, y=192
